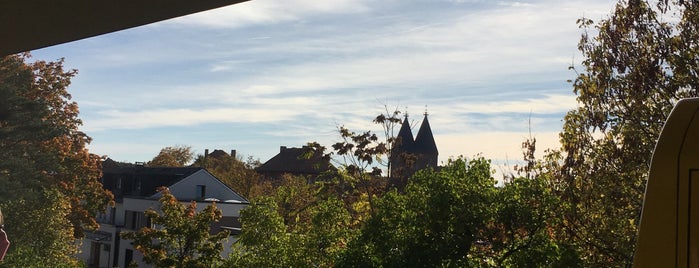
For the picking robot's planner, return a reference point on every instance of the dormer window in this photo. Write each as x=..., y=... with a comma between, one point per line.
x=200, y=192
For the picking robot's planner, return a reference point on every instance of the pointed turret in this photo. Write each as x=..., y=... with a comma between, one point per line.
x=410, y=155
x=425, y=145
x=401, y=159
x=424, y=142
x=404, y=140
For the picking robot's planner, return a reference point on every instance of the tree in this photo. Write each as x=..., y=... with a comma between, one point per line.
x=435, y=222
x=520, y=234
x=641, y=61
x=452, y=217
x=45, y=159
x=363, y=155
x=294, y=196
x=326, y=236
x=364, y=152
x=180, y=237
x=173, y=156
x=264, y=241
x=388, y=122
x=45, y=217
x=457, y=217
x=240, y=176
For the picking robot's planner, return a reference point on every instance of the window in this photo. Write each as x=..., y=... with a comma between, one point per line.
x=136, y=220
x=108, y=217
x=94, y=254
x=128, y=257
x=112, y=215
x=200, y=192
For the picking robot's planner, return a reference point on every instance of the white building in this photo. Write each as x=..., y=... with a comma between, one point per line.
x=134, y=188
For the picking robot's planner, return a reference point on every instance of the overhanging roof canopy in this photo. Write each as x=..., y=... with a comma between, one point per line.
x=32, y=24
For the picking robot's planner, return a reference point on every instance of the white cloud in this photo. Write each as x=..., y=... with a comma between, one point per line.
x=317, y=63
x=547, y=105
x=477, y=48
x=269, y=12
x=515, y=4
x=116, y=150
x=184, y=117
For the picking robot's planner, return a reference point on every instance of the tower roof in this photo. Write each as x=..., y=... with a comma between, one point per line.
x=405, y=140
x=424, y=142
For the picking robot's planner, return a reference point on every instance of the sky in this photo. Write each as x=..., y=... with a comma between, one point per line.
x=268, y=73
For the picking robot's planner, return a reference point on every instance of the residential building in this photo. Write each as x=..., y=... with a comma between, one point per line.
x=218, y=153
x=135, y=190
x=302, y=161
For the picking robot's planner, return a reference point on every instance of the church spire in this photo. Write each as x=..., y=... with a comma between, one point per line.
x=405, y=140
x=424, y=142
x=410, y=155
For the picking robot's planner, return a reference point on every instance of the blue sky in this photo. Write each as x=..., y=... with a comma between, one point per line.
x=269, y=73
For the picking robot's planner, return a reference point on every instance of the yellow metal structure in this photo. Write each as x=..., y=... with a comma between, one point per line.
x=669, y=228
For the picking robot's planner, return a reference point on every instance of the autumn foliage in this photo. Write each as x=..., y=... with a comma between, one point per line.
x=45, y=162
x=179, y=235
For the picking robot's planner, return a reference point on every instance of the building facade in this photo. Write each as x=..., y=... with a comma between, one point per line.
x=135, y=191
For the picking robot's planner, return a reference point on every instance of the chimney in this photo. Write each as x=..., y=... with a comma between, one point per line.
x=233, y=153
x=282, y=148
x=206, y=153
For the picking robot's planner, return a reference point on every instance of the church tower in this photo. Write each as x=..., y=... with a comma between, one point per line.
x=410, y=155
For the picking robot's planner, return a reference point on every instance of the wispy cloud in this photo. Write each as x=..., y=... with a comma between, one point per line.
x=542, y=105
x=292, y=70
x=269, y=12
x=184, y=117
x=515, y=4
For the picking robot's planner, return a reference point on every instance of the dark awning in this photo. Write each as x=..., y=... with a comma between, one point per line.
x=98, y=235
x=32, y=24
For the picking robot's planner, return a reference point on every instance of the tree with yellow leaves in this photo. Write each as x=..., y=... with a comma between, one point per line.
x=47, y=175
x=179, y=236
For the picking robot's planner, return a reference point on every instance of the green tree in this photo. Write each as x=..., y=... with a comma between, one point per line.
x=436, y=221
x=521, y=234
x=326, y=237
x=45, y=162
x=180, y=237
x=173, y=156
x=43, y=216
x=264, y=241
x=296, y=200
x=457, y=217
x=294, y=196
x=637, y=63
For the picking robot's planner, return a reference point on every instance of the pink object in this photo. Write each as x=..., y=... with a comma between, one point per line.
x=4, y=244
